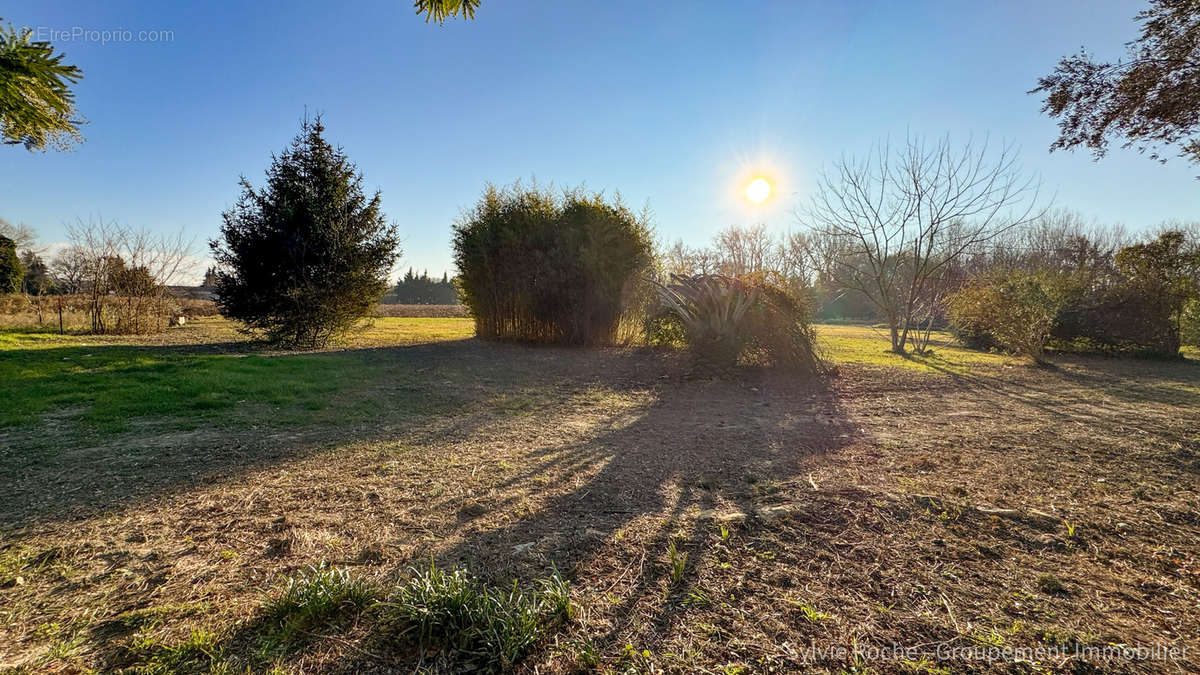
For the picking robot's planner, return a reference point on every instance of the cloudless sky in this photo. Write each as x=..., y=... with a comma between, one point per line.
x=674, y=104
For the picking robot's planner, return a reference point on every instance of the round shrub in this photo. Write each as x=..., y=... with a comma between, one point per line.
x=1015, y=310
x=544, y=267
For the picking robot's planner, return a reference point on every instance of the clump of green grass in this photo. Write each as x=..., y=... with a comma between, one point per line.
x=476, y=627
x=678, y=563
x=1063, y=638
x=316, y=597
x=1051, y=585
x=812, y=614
x=20, y=565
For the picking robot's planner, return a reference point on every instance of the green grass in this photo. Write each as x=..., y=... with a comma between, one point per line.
x=205, y=502
x=206, y=374
x=200, y=652
x=108, y=386
x=869, y=345
x=313, y=599
x=479, y=628
x=474, y=626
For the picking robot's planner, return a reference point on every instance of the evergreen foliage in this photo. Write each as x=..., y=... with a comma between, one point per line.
x=307, y=256
x=10, y=266
x=37, y=275
x=37, y=106
x=422, y=290
x=1149, y=99
x=440, y=10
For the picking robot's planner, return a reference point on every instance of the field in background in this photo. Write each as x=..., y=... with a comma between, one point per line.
x=442, y=311
x=159, y=490
x=41, y=313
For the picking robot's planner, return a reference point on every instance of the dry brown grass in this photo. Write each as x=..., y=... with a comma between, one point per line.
x=422, y=311
x=46, y=313
x=194, y=308
x=1010, y=506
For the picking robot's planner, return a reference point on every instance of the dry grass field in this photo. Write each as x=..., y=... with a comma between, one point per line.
x=962, y=512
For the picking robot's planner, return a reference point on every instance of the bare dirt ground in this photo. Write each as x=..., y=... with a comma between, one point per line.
x=884, y=520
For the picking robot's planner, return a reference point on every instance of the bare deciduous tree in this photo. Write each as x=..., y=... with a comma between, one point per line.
x=738, y=251
x=745, y=250
x=22, y=234
x=679, y=259
x=68, y=269
x=890, y=225
x=125, y=272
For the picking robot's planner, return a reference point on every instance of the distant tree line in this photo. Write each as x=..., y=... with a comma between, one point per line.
x=1058, y=281
x=932, y=236
x=784, y=258
x=1070, y=285
x=422, y=290
x=919, y=237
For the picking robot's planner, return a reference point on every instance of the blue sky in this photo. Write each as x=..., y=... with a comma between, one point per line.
x=673, y=104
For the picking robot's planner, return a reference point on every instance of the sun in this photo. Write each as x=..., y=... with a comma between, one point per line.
x=758, y=190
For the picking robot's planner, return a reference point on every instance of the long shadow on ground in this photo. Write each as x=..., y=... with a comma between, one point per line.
x=151, y=422
x=702, y=451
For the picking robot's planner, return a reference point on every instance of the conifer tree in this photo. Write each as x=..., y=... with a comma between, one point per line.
x=10, y=266
x=307, y=256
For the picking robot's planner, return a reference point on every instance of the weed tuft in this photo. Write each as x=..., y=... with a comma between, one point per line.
x=1051, y=585
x=476, y=627
x=318, y=596
x=812, y=614
x=678, y=563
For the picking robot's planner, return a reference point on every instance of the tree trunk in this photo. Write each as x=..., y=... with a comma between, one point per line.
x=894, y=329
x=899, y=349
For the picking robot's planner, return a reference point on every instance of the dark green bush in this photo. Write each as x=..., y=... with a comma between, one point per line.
x=1119, y=318
x=1014, y=309
x=306, y=257
x=541, y=267
x=11, y=272
x=1135, y=301
x=1139, y=307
